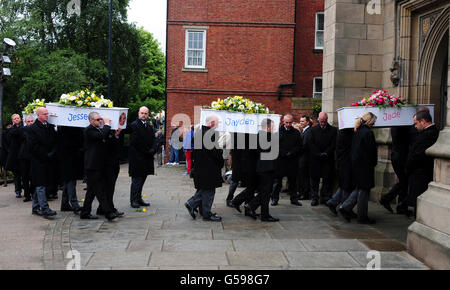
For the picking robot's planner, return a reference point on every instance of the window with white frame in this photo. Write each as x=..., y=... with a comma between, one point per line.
x=319, y=30
x=317, y=87
x=195, y=53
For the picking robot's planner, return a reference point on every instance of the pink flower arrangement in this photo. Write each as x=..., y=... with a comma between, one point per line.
x=380, y=98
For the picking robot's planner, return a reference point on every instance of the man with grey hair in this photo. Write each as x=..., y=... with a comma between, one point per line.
x=94, y=164
x=42, y=137
x=322, y=144
x=208, y=163
x=141, y=151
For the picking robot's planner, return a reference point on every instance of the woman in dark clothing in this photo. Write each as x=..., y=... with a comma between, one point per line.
x=364, y=159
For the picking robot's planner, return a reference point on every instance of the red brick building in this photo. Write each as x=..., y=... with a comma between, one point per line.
x=255, y=49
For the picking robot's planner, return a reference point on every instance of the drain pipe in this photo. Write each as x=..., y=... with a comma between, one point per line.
x=280, y=88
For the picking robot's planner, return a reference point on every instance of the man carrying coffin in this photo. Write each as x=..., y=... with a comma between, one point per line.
x=141, y=151
x=208, y=163
x=95, y=136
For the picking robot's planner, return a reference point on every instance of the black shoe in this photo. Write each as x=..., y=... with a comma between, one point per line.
x=274, y=203
x=213, y=218
x=269, y=219
x=48, y=212
x=18, y=195
x=304, y=197
x=332, y=208
x=345, y=214
x=353, y=215
x=249, y=212
x=135, y=205
x=314, y=202
x=77, y=210
x=324, y=201
x=143, y=203
x=27, y=199
x=230, y=203
x=386, y=205
x=110, y=216
x=100, y=212
x=66, y=208
x=366, y=221
x=236, y=206
x=54, y=196
x=118, y=213
x=296, y=202
x=36, y=212
x=88, y=217
x=403, y=210
x=190, y=210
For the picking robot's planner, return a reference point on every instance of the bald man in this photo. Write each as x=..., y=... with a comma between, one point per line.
x=322, y=144
x=12, y=162
x=42, y=137
x=141, y=151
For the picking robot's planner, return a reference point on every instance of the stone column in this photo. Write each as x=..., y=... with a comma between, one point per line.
x=429, y=235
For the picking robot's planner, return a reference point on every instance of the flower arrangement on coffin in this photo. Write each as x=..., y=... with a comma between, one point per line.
x=85, y=98
x=381, y=99
x=32, y=107
x=239, y=104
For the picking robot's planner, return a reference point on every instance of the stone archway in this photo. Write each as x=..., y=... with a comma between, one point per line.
x=432, y=66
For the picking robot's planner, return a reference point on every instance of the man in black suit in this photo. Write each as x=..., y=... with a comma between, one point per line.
x=141, y=151
x=287, y=162
x=322, y=145
x=12, y=163
x=303, y=179
x=24, y=157
x=207, y=173
x=95, y=165
x=265, y=168
x=419, y=165
x=42, y=137
x=112, y=169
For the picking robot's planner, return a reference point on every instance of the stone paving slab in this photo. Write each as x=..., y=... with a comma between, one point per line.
x=166, y=238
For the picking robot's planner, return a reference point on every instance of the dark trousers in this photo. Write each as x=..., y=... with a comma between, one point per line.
x=265, y=186
x=399, y=190
x=417, y=184
x=25, y=168
x=325, y=191
x=232, y=189
x=292, y=187
x=111, y=174
x=303, y=179
x=69, y=195
x=95, y=188
x=248, y=193
x=17, y=181
x=137, y=183
x=205, y=198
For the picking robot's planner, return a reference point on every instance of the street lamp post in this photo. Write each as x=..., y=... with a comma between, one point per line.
x=4, y=71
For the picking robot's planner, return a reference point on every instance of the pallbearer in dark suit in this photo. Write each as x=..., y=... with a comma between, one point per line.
x=25, y=159
x=321, y=147
x=287, y=162
x=42, y=137
x=112, y=169
x=95, y=165
x=141, y=151
x=419, y=165
x=265, y=169
x=70, y=157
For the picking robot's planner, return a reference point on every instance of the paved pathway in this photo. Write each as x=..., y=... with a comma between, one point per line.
x=166, y=237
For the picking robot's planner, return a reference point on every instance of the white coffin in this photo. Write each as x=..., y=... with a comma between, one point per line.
x=386, y=117
x=72, y=116
x=239, y=122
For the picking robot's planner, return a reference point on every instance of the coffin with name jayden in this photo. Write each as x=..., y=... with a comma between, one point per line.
x=236, y=122
x=386, y=117
x=72, y=116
